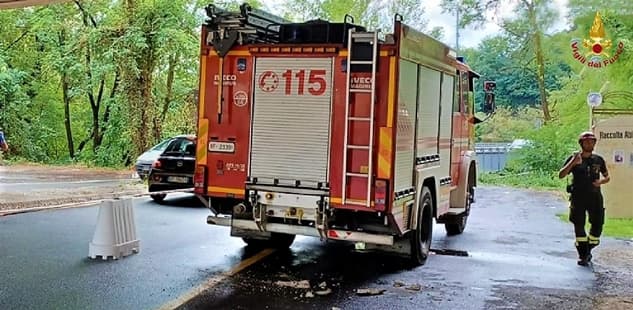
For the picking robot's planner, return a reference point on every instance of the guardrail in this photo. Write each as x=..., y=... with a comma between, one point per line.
x=492, y=156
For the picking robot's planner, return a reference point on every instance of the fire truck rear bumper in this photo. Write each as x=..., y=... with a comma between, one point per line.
x=333, y=234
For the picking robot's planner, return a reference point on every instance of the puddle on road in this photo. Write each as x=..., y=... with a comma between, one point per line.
x=450, y=252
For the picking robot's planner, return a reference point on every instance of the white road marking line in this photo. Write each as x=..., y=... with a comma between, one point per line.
x=57, y=182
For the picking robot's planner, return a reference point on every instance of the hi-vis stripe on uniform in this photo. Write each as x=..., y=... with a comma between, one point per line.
x=203, y=122
x=384, y=153
x=581, y=239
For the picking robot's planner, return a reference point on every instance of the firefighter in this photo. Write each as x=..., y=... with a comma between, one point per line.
x=586, y=197
x=4, y=147
x=3, y=142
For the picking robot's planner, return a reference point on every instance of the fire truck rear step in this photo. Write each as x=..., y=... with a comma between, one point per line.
x=358, y=147
x=455, y=211
x=360, y=175
x=334, y=234
x=362, y=90
x=360, y=119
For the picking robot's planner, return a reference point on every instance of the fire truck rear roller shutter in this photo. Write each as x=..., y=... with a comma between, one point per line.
x=290, y=139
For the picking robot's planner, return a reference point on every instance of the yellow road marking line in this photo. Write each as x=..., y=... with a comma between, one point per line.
x=215, y=280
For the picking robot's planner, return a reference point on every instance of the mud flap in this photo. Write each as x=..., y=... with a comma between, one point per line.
x=250, y=234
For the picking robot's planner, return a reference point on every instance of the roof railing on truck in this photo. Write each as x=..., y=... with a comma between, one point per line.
x=251, y=26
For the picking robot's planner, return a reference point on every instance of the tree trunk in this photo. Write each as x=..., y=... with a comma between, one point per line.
x=540, y=62
x=147, y=106
x=66, y=98
x=95, y=103
x=108, y=107
x=160, y=119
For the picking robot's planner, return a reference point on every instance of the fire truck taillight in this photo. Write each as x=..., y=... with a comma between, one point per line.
x=198, y=179
x=381, y=189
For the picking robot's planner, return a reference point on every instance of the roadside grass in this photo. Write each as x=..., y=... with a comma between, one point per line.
x=613, y=227
x=523, y=180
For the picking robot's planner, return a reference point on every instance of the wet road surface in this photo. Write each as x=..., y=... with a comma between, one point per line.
x=44, y=263
x=520, y=256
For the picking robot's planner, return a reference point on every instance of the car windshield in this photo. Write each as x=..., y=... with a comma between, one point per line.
x=182, y=146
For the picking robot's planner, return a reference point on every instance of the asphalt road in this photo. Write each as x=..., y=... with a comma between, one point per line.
x=44, y=263
x=519, y=256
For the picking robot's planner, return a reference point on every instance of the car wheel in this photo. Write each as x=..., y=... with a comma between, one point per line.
x=159, y=198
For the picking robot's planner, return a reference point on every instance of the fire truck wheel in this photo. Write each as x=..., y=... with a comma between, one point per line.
x=422, y=236
x=277, y=241
x=159, y=198
x=457, y=224
x=281, y=241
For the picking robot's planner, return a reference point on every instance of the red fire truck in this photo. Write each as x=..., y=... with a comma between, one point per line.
x=330, y=130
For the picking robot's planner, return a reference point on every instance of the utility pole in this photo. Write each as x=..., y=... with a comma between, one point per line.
x=457, y=30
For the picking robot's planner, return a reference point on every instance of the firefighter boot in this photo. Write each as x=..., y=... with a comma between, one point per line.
x=593, y=242
x=583, y=253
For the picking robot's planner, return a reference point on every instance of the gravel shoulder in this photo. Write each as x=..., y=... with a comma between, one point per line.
x=25, y=186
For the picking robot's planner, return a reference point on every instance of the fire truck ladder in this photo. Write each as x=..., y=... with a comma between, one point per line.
x=356, y=39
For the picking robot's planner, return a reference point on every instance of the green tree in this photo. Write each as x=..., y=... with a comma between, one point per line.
x=526, y=28
x=370, y=13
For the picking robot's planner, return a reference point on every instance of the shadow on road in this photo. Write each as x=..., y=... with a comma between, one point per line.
x=180, y=201
x=333, y=269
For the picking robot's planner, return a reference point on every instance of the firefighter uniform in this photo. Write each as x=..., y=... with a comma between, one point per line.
x=586, y=199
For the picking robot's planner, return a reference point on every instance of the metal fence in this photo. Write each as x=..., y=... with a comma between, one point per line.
x=492, y=156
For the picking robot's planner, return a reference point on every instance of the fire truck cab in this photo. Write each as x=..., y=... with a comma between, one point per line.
x=330, y=130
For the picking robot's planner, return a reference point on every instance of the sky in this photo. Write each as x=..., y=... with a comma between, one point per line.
x=471, y=37
x=467, y=37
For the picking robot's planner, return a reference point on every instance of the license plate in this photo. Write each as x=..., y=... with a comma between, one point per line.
x=178, y=179
x=222, y=147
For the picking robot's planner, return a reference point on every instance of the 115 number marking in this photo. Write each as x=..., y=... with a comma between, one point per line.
x=316, y=82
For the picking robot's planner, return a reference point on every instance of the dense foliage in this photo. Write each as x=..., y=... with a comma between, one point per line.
x=100, y=81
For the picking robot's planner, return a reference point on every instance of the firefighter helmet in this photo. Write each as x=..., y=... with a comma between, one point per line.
x=587, y=135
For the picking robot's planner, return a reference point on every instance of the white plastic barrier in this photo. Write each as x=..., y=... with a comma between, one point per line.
x=115, y=234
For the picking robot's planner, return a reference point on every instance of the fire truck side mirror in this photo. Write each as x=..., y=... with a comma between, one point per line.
x=489, y=97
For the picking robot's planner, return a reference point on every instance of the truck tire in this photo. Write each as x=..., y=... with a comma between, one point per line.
x=422, y=236
x=457, y=224
x=277, y=241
